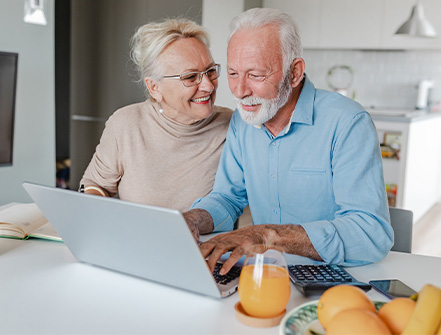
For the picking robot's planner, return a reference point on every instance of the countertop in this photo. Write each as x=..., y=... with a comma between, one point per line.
x=47, y=291
x=402, y=115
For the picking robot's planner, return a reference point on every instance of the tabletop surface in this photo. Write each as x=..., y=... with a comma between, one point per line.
x=45, y=290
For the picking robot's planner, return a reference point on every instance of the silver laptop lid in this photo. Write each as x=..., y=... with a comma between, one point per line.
x=145, y=241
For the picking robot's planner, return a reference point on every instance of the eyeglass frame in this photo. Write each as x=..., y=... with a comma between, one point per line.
x=199, y=73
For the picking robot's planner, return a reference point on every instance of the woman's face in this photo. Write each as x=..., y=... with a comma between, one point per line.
x=183, y=104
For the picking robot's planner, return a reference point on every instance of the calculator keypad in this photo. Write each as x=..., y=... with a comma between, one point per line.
x=314, y=273
x=315, y=279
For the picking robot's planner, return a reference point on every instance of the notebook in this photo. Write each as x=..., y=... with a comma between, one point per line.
x=145, y=241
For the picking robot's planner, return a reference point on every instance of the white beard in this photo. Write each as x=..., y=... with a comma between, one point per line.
x=268, y=107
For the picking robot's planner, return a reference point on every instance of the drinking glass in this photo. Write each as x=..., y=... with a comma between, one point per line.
x=264, y=286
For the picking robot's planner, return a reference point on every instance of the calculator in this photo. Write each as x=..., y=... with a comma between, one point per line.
x=315, y=279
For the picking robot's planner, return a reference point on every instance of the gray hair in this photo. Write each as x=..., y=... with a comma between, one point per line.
x=151, y=39
x=291, y=45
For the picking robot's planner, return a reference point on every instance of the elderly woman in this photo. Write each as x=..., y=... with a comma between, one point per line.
x=165, y=150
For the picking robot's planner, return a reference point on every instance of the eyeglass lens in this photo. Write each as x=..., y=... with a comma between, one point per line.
x=194, y=78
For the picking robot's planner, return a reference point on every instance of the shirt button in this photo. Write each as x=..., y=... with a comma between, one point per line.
x=276, y=211
x=273, y=176
x=274, y=144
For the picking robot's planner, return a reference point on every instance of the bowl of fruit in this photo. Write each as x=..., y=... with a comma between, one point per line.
x=346, y=309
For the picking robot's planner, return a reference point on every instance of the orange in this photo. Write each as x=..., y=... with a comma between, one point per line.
x=339, y=298
x=357, y=322
x=396, y=313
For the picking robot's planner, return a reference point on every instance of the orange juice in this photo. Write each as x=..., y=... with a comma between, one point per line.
x=264, y=293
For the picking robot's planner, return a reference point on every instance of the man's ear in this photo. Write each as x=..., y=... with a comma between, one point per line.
x=154, y=89
x=297, y=71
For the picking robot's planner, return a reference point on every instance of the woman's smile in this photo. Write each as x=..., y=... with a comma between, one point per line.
x=201, y=100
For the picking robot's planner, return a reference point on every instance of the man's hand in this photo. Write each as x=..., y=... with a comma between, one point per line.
x=288, y=238
x=199, y=221
x=239, y=242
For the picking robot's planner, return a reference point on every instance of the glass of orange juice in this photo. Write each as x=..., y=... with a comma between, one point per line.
x=264, y=286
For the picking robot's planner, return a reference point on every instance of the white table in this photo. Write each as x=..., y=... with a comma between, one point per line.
x=44, y=290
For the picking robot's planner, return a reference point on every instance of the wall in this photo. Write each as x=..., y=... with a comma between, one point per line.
x=383, y=79
x=103, y=78
x=216, y=18
x=34, y=129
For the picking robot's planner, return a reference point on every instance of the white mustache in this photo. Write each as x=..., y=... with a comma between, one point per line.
x=250, y=101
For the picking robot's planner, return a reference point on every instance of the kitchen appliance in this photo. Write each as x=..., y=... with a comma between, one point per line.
x=424, y=89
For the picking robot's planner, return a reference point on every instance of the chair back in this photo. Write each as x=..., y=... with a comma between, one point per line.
x=402, y=223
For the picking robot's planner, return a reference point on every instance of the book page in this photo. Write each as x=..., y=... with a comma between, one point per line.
x=46, y=231
x=22, y=218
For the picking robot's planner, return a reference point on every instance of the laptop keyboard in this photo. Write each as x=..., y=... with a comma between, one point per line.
x=225, y=279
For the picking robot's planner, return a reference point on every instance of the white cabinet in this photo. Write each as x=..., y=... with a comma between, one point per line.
x=358, y=24
x=350, y=23
x=305, y=13
x=417, y=173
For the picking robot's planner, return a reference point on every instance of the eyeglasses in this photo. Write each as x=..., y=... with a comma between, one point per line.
x=194, y=78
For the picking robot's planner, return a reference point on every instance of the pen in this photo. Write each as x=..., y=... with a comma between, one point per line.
x=82, y=188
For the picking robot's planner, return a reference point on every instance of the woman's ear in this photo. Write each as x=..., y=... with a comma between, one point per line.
x=154, y=89
x=297, y=71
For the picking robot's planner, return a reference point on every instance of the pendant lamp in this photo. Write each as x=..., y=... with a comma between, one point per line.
x=417, y=25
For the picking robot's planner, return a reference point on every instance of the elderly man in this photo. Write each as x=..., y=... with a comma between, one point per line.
x=307, y=161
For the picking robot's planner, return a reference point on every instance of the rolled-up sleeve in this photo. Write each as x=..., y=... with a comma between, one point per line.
x=228, y=198
x=361, y=232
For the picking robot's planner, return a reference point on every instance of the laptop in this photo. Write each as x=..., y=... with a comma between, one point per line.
x=144, y=241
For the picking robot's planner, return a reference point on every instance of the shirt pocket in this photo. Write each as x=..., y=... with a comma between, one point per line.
x=309, y=191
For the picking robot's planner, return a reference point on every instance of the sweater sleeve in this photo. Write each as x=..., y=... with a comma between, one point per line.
x=104, y=168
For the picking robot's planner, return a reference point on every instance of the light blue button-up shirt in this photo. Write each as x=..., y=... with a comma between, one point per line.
x=324, y=172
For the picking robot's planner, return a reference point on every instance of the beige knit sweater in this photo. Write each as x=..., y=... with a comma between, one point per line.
x=148, y=158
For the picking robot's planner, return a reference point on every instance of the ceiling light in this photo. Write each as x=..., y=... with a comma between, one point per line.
x=417, y=25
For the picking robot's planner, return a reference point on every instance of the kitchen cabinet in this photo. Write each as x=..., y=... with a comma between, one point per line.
x=350, y=24
x=358, y=24
x=417, y=169
x=306, y=15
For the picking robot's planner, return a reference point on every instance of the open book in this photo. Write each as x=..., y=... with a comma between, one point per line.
x=25, y=220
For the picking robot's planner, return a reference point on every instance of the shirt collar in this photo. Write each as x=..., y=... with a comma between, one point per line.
x=304, y=107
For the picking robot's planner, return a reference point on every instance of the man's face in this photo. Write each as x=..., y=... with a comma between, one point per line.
x=255, y=73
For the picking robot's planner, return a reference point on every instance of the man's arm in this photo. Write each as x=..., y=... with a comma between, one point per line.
x=226, y=201
x=199, y=221
x=288, y=238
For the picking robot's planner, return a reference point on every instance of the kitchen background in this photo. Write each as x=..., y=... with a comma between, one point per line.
x=88, y=41
x=382, y=79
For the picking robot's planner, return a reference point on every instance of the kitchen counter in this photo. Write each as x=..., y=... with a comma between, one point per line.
x=401, y=115
x=414, y=174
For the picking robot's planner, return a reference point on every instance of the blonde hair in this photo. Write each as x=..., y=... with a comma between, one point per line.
x=291, y=44
x=150, y=40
